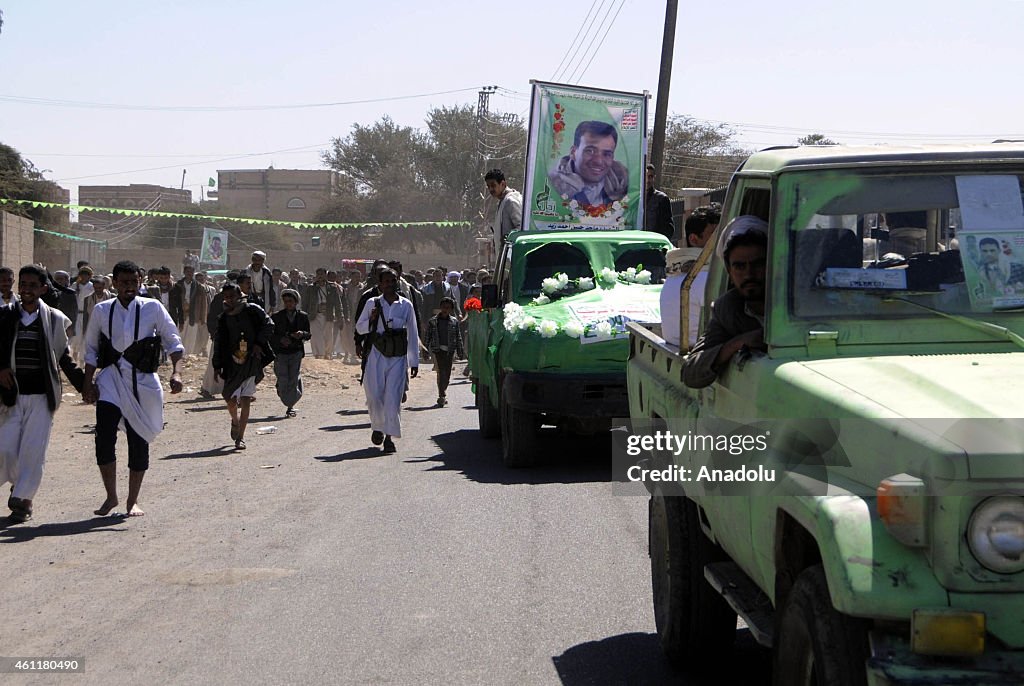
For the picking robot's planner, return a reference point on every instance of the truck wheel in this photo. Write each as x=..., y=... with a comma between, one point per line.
x=486, y=414
x=518, y=436
x=815, y=644
x=695, y=625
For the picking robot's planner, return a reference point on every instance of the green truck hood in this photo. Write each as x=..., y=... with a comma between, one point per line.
x=972, y=402
x=934, y=386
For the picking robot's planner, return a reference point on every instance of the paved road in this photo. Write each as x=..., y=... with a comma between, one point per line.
x=312, y=558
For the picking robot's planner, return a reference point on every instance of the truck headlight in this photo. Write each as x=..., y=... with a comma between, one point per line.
x=996, y=534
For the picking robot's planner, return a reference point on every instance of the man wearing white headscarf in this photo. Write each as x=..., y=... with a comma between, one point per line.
x=262, y=282
x=737, y=318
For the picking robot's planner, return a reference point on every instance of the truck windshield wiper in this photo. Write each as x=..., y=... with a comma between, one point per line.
x=987, y=327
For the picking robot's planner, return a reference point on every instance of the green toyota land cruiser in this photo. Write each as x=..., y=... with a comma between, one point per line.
x=893, y=325
x=550, y=345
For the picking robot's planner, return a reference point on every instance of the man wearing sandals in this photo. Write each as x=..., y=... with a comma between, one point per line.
x=127, y=387
x=240, y=352
x=394, y=348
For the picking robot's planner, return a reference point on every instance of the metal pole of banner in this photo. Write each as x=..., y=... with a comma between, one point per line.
x=664, y=79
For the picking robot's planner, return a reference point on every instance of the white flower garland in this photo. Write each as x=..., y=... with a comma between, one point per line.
x=517, y=319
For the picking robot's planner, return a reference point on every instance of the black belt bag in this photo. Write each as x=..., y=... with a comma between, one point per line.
x=393, y=342
x=143, y=354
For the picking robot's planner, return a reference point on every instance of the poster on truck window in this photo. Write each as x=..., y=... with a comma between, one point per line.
x=585, y=158
x=991, y=240
x=215, y=247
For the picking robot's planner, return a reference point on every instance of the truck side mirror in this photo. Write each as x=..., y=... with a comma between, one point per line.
x=489, y=296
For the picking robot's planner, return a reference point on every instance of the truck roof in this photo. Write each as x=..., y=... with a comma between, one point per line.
x=774, y=160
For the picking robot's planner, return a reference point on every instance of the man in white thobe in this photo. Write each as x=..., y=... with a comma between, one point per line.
x=34, y=346
x=126, y=396
x=384, y=379
x=83, y=288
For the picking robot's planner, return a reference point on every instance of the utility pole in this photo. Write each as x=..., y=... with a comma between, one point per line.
x=177, y=220
x=483, y=111
x=664, y=79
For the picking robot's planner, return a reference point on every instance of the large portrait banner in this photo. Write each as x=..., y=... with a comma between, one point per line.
x=585, y=159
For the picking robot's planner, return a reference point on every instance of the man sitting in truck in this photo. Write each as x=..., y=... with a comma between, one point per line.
x=737, y=318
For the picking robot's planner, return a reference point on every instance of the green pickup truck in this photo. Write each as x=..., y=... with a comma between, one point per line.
x=894, y=317
x=550, y=345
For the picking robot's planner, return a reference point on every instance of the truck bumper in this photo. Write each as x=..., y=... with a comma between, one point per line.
x=568, y=395
x=893, y=663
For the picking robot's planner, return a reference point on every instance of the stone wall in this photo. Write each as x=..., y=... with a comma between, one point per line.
x=16, y=241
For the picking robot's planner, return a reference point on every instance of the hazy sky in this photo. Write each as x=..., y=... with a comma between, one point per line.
x=871, y=71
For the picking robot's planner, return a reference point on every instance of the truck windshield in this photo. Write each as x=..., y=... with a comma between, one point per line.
x=952, y=241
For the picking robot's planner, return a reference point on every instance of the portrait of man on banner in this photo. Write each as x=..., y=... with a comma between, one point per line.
x=215, y=247
x=585, y=157
x=590, y=175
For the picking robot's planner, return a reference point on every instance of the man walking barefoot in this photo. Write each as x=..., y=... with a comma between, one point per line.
x=123, y=342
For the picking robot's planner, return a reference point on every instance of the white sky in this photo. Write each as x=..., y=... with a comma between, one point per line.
x=864, y=72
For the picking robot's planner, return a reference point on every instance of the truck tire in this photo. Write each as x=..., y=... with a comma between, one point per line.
x=696, y=627
x=815, y=644
x=518, y=436
x=486, y=414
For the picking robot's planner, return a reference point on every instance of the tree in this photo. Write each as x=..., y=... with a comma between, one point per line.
x=21, y=180
x=699, y=154
x=815, y=139
x=395, y=174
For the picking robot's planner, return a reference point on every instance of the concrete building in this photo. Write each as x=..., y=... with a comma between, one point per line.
x=283, y=194
x=136, y=196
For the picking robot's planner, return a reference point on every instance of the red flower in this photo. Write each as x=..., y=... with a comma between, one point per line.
x=559, y=126
x=472, y=304
x=558, y=115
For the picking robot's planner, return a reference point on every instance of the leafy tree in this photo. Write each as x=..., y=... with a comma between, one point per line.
x=21, y=180
x=393, y=173
x=815, y=139
x=699, y=154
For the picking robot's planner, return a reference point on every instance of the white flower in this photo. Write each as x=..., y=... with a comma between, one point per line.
x=574, y=328
x=608, y=276
x=573, y=205
x=643, y=277
x=549, y=285
x=514, y=313
x=604, y=329
x=616, y=205
x=547, y=328
x=631, y=273
x=527, y=324
x=541, y=300
x=563, y=279
x=585, y=283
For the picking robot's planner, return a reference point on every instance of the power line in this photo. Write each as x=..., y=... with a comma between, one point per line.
x=28, y=100
x=594, y=54
x=604, y=20
x=578, y=31
x=576, y=51
x=175, y=166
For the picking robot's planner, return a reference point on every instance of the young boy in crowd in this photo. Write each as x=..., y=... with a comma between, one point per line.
x=444, y=341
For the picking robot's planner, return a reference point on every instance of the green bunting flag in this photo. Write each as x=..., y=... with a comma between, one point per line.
x=248, y=220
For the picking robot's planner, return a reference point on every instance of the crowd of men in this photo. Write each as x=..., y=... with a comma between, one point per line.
x=110, y=333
